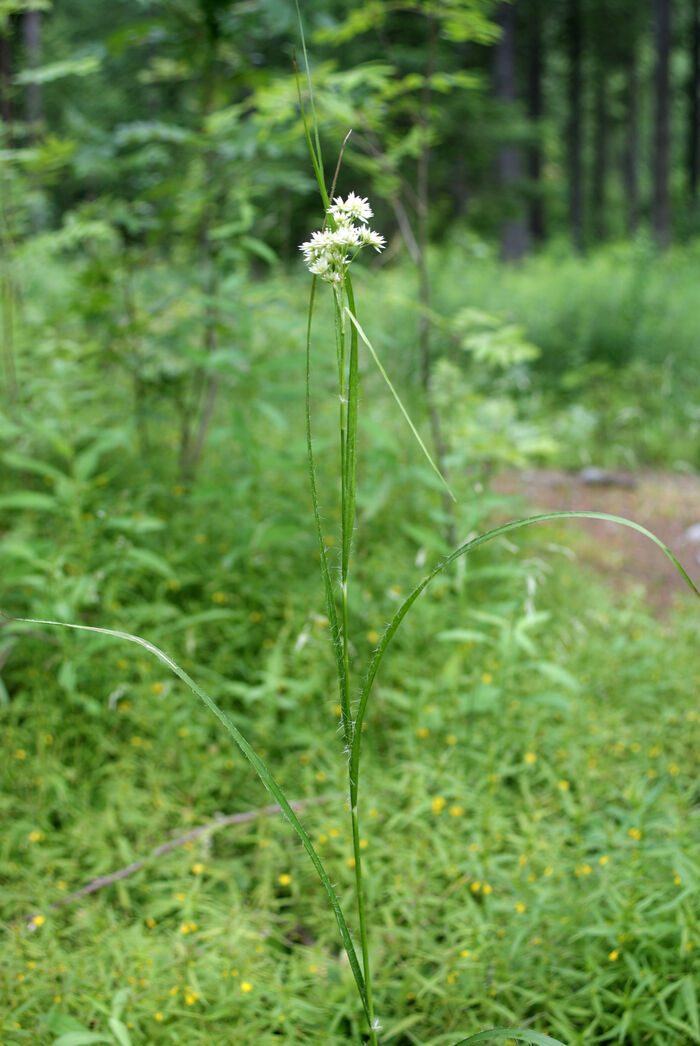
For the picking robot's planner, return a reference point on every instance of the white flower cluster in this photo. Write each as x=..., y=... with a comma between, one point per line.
x=329, y=252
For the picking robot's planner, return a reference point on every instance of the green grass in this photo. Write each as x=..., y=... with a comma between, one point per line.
x=515, y=755
x=501, y=887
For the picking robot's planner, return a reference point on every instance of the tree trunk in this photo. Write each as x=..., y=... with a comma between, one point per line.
x=600, y=162
x=514, y=242
x=631, y=153
x=32, y=44
x=536, y=216
x=693, y=159
x=6, y=81
x=574, y=35
x=660, y=160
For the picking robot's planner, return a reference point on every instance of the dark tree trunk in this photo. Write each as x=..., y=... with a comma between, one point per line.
x=32, y=43
x=535, y=69
x=660, y=160
x=631, y=153
x=6, y=82
x=600, y=161
x=513, y=232
x=574, y=41
x=694, y=101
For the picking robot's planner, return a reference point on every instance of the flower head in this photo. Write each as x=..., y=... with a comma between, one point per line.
x=354, y=209
x=329, y=251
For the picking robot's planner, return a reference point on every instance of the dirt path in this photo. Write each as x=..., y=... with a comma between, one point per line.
x=666, y=503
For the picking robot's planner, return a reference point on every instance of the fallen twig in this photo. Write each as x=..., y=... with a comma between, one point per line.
x=297, y=805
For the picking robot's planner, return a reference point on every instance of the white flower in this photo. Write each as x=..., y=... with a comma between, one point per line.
x=370, y=238
x=354, y=208
x=329, y=251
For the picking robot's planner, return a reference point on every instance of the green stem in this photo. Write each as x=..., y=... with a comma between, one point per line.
x=349, y=509
x=325, y=572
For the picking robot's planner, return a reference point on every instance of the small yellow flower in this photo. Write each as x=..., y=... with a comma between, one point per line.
x=374, y=812
x=674, y=769
x=564, y=785
x=337, y=710
x=614, y=955
x=320, y=775
x=363, y=844
x=20, y=753
x=474, y=847
x=183, y=732
x=304, y=758
x=334, y=833
x=522, y=860
x=158, y=1016
x=592, y=763
x=487, y=678
x=284, y=879
x=634, y=833
x=519, y=907
x=475, y=886
x=37, y=920
x=451, y=977
x=197, y=868
x=437, y=804
x=150, y=922
x=35, y=836
x=373, y=637
x=246, y=986
x=677, y=880
x=465, y=953
x=604, y=860
x=451, y=739
x=530, y=758
x=422, y=732
x=219, y=597
x=548, y=870
x=351, y=862
x=174, y=990
x=488, y=888
x=457, y=811
x=157, y=688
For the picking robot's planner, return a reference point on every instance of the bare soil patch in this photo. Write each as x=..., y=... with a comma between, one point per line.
x=666, y=503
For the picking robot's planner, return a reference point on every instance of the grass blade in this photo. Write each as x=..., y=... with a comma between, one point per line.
x=403, y=410
x=537, y=1038
x=469, y=546
x=258, y=765
x=325, y=572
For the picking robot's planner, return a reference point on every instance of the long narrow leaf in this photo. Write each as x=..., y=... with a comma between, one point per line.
x=258, y=765
x=537, y=1038
x=403, y=410
x=325, y=572
x=469, y=546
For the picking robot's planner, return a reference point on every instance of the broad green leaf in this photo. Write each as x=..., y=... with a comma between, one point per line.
x=57, y=70
x=120, y=1032
x=80, y=1038
x=30, y=501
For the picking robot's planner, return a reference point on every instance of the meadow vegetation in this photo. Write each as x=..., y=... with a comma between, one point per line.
x=530, y=781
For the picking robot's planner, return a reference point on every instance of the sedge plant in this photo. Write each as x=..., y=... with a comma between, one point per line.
x=328, y=254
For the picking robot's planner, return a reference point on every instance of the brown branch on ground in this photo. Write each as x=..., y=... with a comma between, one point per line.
x=297, y=805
